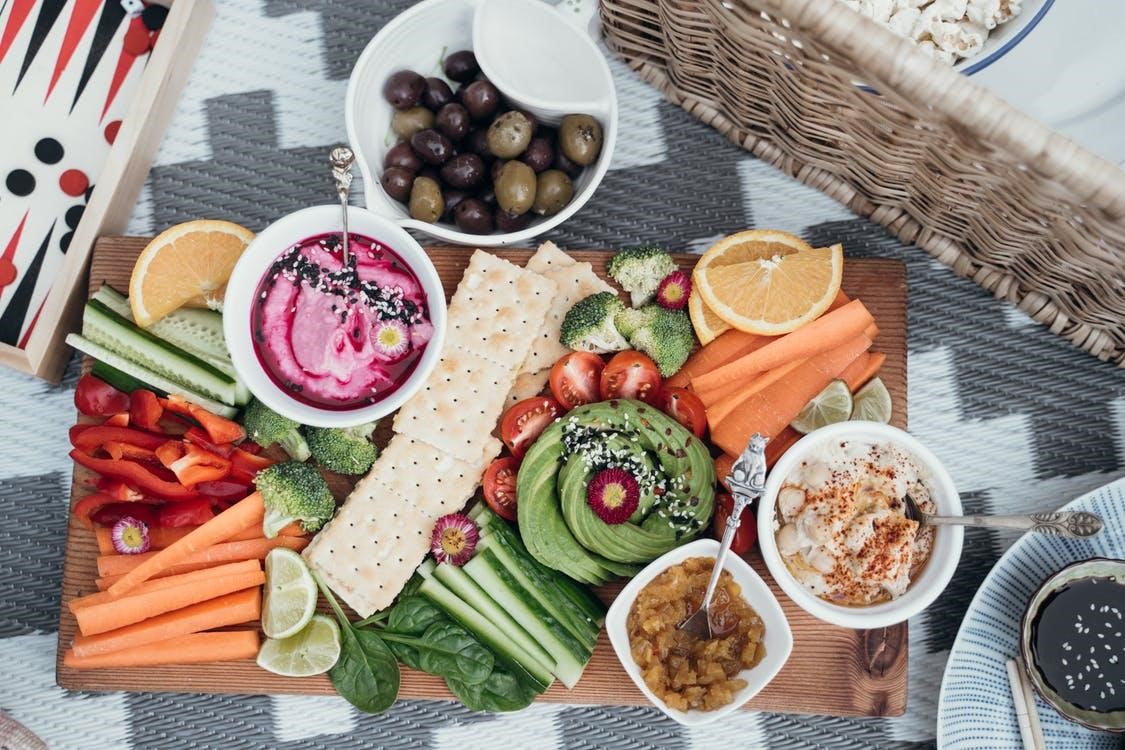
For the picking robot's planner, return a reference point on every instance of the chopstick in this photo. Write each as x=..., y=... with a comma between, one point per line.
x=1026, y=715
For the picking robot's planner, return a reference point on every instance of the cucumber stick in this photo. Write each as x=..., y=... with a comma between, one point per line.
x=103, y=326
x=153, y=379
x=570, y=656
x=482, y=628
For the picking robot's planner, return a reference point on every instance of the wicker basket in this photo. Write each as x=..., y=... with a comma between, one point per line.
x=938, y=160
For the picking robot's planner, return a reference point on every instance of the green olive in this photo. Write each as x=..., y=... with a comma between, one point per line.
x=509, y=134
x=407, y=122
x=426, y=203
x=553, y=191
x=580, y=138
x=515, y=188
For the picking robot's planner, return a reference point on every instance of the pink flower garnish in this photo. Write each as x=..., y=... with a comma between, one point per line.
x=614, y=495
x=130, y=536
x=391, y=339
x=674, y=291
x=455, y=539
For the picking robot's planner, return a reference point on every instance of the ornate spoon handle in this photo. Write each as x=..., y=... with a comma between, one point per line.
x=341, y=160
x=1073, y=524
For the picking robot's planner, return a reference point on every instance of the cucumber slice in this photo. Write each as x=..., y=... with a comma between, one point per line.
x=570, y=656
x=118, y=379
x=482, y=628
x=146, y=376
x=469, y=592
x=103, y=326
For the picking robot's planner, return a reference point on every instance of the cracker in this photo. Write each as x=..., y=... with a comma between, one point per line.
x=456, y=409
x=528, y=384
x=428, y=478
x=575, y=282
x=370, y=549
x=495, y=306
x=548, y=256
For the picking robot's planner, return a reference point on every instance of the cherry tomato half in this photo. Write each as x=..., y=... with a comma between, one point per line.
x=524, y=422
x=632, y=374
x=574, y=379
x=746, y=533
x=96, y=398
x=500, y=486
x=685, y=407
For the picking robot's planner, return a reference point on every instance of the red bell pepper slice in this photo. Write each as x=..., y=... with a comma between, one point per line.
x=120, y=419
x=96, y=398
x=250, y=447
x=86, y=509
x=90, y=439
x=185, y=513
x=203, y=440
x=125, y=450
x=118, y=490
x=198, y=465
x=138, y=475
x=224, y=489
x=220, y=429
x=110, y=514
x=245, y=466
x=169, y=452
x=172, y=425
x=145, y=409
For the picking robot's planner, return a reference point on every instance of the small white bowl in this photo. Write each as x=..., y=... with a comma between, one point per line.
x=944, y=556
x=263, y=251
x=1004, y=38
x=416, y=40
x=778, y=638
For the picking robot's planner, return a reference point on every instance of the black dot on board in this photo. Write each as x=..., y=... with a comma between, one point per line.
x=153, y=17
x=64, y=241
x=74, y=215
x=20, y=182
x=49, y=151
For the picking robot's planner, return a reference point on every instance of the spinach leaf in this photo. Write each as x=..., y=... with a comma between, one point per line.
x=366, y=674
x=501, y=691
x=446, y=650
x=413, y=614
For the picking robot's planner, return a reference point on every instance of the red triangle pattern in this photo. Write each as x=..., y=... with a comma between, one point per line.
x=80, y=19
x=21, y=9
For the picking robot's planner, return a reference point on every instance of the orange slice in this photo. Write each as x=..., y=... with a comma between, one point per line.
x=707, y=324
x=768, y=282
x=185, y=264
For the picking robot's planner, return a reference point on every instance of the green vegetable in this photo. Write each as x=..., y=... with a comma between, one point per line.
x=668, y=338
x=588, y=325
x=345, y=451
x=294, y=491
x=265, y=427
x=366, y=674
x=445, y=649
x=639, y=271
x=502, y=691
x=631, y=319
x=411, y=615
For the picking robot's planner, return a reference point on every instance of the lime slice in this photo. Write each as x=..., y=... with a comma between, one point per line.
x=833, y=404
x=313, y=650
x=290, y=594
x=872, y=402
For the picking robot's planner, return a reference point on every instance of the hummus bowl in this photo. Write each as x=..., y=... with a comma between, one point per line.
x=856, y=540
x=337, y=366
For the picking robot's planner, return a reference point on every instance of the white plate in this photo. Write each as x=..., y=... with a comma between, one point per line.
x=975, y=709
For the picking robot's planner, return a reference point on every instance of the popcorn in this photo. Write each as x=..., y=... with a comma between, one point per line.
x=947, y=30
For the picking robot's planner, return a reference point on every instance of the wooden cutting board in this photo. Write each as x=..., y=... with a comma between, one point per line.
x=831, y=671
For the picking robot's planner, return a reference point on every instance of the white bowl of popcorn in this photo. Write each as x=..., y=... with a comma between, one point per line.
x=969, y=35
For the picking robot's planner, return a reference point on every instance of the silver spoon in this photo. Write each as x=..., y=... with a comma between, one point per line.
x=747, y=481
x=341, y=160
x=1071, y=524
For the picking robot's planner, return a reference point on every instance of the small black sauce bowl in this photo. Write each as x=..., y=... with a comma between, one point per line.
x=1095, y=567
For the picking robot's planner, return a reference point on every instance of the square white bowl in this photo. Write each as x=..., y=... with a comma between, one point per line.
x=778, y=637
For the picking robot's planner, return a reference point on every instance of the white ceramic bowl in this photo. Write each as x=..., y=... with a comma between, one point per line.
x=944, y=556
x=263, y=251
x=778, y=637
x=416, y=39
x=1005, y=37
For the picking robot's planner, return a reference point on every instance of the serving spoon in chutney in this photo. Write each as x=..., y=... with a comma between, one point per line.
x=747, y=482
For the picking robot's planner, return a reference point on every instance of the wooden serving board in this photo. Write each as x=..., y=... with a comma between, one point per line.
x=831, y=671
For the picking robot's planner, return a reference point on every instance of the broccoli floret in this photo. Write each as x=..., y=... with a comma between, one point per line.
x=632, y=318
x=265, y=427
x=667, y=338
x=293, y=491
x=639, y=270
x=589, y=327
x=346, y=450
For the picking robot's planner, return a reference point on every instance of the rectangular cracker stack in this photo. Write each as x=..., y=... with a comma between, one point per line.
x=442, y=442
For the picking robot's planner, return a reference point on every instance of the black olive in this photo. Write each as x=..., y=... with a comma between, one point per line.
x=497, y=165
x=571, y=169
x=463, y=171
x=401, y=155
x=404, y=89
x=505, y=222
x=539, y=155
x=453, y=121
x=473, y=216
x=477, y=142
x=431, y=146
x=452, y=197
x=481, y=99
x=460, y=66
x=436, y=94
x=397, y=181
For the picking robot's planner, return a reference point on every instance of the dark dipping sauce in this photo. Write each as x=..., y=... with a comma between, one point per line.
x=1078, y=643
x=338, y=336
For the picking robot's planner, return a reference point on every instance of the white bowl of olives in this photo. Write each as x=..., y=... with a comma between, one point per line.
x=445, y=150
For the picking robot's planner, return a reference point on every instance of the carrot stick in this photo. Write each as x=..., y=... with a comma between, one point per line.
x=101, y=617
x=723, y=465
x=781, y=443
x=830, y=330
x=157, y=584
x=232, y=609
x=160, y=537
x=196, y=648
x=247, y=549
x=244, y=514
x=872, y=331
x=771, y=409
x=727, y=347
x=718, y=410
x=863, y=369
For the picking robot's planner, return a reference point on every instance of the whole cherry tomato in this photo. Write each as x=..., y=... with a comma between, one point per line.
x=746, y=533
